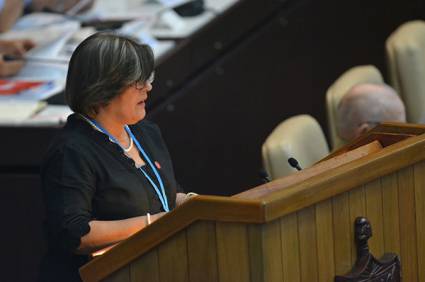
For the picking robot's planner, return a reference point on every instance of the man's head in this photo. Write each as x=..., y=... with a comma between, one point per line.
x=364, y=106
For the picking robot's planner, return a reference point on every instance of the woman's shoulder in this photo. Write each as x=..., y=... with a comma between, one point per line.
x=148, y=125
x=74, y=137
x=147, y=128
x=149, y=132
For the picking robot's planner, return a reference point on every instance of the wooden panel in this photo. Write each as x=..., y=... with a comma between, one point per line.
x=146, y=268
x=373, y=193
x=265, y=253
x=406, y=194
x=325, y=239
x=338, y=181
x=256, y=252
x=308, y=246
x=344, y=178
x=290, y=248
x=391, y=213
x=202, y=252
x=357, y=200
x=232, y=252
x=121, y=275
x=298, y=177
x=342, y=229
x=273, y=269
x=173, y=265
x=420, y=216
x=201, y=207
x=400, y=127
x=382, y=132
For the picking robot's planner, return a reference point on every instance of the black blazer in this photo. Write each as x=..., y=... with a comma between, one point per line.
x=85, y=176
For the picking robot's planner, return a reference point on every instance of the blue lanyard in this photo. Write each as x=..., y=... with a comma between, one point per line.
x=161, y=194
x=159, y=191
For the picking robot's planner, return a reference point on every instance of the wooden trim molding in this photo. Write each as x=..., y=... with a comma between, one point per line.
x=214, y=208
x=345, y=177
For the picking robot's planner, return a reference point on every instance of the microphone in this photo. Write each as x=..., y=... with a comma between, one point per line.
x=294, y=163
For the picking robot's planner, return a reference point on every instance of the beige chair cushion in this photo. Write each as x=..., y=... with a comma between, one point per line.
x=405, y=49
x=300, y=137
x=353, y=76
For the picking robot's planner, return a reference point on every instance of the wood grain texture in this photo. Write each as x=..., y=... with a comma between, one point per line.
x=202, y=251
x=282, y=204
x=400, y=127
x=357, y=199
x=419, y=172
x=146, y=268
x=273, y=265
x=121, y=275
x=290, y=248
x=232, y=252
x=373, y=193
x=406, y=194
x=391, y=213
x=342, y=229
x=325, y=241
x=345, y=177
x=308, y=244
x=265, y=253
x=309, y=172
x=404, y=130
x=256, y=252
x=214, y=208
x=173, y=259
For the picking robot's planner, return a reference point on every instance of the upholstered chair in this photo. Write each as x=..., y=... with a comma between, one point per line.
x=299, y=137
x=353, y=76
x=405, y=49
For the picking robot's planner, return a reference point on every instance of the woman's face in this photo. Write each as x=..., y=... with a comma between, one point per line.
x=129, y=106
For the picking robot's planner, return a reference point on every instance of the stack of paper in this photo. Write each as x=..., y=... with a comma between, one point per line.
x=52, y=115
x=15, y=112
x=32, y=113
x=28, y=89
x=48, y=31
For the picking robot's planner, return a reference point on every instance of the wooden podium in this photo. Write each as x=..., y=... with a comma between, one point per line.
x=297, y=228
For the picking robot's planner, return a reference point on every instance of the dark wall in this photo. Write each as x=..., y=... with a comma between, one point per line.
x=22, y=215
x=216, y=121
x=353, y=33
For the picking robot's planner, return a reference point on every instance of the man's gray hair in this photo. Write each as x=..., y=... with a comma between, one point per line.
x=367, y=103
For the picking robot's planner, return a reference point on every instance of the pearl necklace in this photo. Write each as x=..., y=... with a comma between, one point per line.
x=129, y=146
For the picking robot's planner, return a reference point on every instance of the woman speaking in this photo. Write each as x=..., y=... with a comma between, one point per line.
x=108, y=173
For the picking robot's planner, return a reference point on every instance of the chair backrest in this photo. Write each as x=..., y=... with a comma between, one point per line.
x=300, y=137
x=405, y=49
x=353, y=76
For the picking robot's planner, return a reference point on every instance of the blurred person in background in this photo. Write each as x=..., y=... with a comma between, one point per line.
x=12, y=10
x=366, y=105
x=12, y=56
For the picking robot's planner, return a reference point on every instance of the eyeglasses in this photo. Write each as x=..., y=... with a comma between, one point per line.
x=140, y=85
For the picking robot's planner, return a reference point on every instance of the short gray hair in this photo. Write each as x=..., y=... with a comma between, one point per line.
x=103, y=66
x=368, y=102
